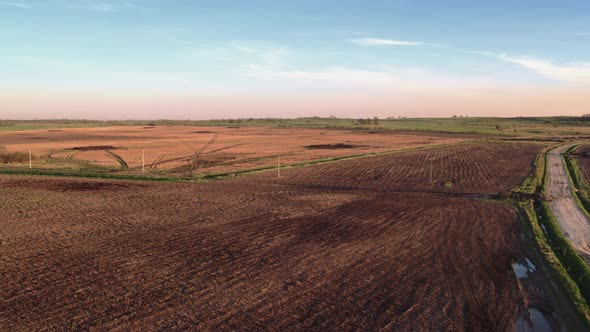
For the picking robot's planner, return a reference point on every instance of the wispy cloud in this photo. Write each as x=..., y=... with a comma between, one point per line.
x=267, y=54
x=573, y=72
x=380, y=78
x=377, y=77
x=348, y=76
x=238, y=52
x=99, y=6
x=15, y=4
x=384, y=42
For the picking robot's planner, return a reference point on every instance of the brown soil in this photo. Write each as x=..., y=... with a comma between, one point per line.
x=582, y=154
x=470, y=168
x=252, y=147
x=259, y=252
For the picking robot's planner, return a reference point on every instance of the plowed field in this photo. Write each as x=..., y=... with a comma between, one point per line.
x=182, y=151
x=465, y=168
x=258, y=252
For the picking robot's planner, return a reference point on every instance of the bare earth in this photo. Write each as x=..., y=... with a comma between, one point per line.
x=233, y=148
x=388, y=251
x=572, y=220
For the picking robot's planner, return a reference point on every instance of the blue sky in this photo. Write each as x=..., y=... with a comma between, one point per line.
x=305, y=49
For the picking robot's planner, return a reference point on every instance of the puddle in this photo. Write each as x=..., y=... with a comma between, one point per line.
x=520, y=270
x=536, y=323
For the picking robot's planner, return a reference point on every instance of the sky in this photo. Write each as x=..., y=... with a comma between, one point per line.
x=191, y=59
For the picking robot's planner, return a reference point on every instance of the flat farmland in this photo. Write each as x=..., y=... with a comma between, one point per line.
x=182, y=151
x=463, y=168
x=307, y=251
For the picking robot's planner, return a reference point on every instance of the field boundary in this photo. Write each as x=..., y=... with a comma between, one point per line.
x=534, y=182
x=580, y=187
x=574, y=264
x=219, y=175
x=566, y=284
x=564, y=262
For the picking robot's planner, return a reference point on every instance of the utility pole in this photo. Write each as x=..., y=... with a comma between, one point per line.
x=30, y=158
x=143, y=160
x=279, y=165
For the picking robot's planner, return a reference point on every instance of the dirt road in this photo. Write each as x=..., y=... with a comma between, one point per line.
x=572, y=220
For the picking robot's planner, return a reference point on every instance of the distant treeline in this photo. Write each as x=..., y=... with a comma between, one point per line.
x=516, y=126
x=558, y=119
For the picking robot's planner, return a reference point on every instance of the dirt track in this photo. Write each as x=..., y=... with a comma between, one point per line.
x=572, y=220
x=258, y=252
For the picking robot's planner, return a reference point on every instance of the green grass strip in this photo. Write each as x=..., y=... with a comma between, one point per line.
x=567, y=254
x=580, y=187
x=559, y=257
x=534, y=181
x=563, y=260
x=81, y=174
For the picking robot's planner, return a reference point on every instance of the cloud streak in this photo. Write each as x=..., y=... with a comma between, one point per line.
x=348, y=76
x=384, y=42
x=99, y=6
x=236, y=52
x=268, y=54
x=572, y=72
x=381, y=78
x=14, y=4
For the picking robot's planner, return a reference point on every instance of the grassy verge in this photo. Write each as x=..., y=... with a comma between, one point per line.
x=534, y=181
x=571, y=149
x=567, y=254
x=80, y=174
x=565, y=265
